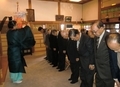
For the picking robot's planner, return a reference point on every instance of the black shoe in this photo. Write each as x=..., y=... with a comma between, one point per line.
x=73, y=82
x=49, y=62
x=57, y=68
x=69, y=79
x=45, y=58
x=54, y=65
x=61, y=70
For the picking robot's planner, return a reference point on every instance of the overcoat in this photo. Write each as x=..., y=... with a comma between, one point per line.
x=16, y=61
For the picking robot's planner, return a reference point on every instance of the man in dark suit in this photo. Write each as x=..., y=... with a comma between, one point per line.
x=73, y=57
x=62, y=45
x=85, y=50
x=113, y=42
x=102, y=57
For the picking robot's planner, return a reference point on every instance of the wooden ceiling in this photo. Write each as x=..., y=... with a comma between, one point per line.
x=67, y=1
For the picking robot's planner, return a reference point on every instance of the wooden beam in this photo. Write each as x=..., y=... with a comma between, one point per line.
x=59, y=7
x=29, y=4
x=0, y=61
x=0, y=45
x=67, y=1
x=99, y=9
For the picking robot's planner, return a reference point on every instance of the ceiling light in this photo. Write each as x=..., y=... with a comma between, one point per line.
x=113, y=4
x=75, y=0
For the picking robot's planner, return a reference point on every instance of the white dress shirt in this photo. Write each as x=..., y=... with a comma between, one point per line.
x=100, y=38
x=118, y=59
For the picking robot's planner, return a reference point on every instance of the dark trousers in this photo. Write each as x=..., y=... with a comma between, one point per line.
x=49, y=55
x=104, y=82
x=75, y=71
x=61, y=60
x=55, y=58
x=87, y=77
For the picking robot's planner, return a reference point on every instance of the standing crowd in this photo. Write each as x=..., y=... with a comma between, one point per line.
x=92, y=53
x=89, y=54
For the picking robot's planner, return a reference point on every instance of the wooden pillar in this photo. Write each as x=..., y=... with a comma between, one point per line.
x=99, y=9
x=0, y=61
x=30, y=12
x=59, y=8
x=29, y=4
x=0, y=45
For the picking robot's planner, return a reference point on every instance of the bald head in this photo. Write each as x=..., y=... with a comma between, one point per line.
x=113, y=37
x=113, y=41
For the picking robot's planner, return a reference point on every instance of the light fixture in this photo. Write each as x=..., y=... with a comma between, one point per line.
x=62, y=26
x=75, y=0
x=113, y=4
x=19, y=17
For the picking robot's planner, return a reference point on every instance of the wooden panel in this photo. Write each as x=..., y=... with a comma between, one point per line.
x=0, y=46
x=42, y=45
x=39, y=53
x=40, y=49
x=4, y=68
x=4, y=44
x=39, y=38
x=4, y=48
x=3, y=36
x=4, y=52
x=37, y=45
x=113, y=13
x=37, y=41
x=3, y=40
x=0, y=61
x=111, y=20
x=38, y=35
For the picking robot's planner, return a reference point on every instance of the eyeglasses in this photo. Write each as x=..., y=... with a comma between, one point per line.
x=94, y=32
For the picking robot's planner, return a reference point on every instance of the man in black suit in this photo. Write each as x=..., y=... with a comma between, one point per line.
x=85, y=50
x=113, y=42
x=102, y=57
x=73, y=57
x=62, y=46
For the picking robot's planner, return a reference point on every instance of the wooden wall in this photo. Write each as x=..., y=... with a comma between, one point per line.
x=39, y=48
x=0, y=62
x=3, y=61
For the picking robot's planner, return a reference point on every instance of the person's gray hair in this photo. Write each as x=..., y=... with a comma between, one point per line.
x=113, y=37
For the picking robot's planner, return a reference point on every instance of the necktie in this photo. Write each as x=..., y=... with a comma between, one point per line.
x=97, y=42
x=78, y=42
